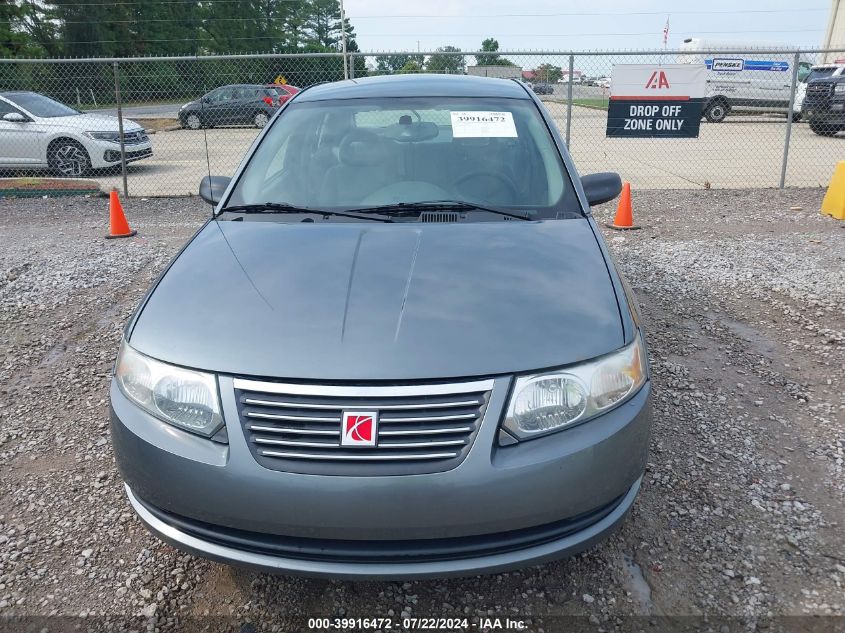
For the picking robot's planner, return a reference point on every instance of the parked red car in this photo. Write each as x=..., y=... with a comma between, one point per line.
x=284, y=91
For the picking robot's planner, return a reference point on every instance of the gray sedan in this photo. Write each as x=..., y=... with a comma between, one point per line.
x=398, y=349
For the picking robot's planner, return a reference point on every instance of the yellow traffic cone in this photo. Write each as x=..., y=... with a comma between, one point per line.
x=834, y=200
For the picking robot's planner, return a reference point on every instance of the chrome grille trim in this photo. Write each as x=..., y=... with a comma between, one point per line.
x=291, y=418
x=422, y=428
x=459, y=429
x=262, y=440
x=364, y=391
x=433, y=418
x=273, y=429
x=389, y=407
x=371, y=458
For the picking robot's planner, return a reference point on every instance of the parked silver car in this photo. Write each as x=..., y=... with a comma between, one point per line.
x=398, y=349
x=37, y=132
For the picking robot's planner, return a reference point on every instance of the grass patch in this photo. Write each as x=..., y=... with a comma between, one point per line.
x=595, y=103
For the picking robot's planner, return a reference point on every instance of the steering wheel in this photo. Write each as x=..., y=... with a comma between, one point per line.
x=499, y=181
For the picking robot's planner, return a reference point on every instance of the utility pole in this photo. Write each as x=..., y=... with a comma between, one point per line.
x=343, y=40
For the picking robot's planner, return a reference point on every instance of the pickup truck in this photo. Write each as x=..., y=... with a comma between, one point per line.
x=824, y=103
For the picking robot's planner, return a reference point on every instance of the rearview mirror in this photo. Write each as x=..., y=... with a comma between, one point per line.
x=601, y=187
x=14, y=117
x=212, y=188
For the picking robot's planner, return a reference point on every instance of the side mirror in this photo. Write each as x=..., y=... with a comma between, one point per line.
x=601, y=187
x=15, y=117
x=213, y=187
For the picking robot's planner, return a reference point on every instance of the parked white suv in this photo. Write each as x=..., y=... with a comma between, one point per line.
x=38, y=132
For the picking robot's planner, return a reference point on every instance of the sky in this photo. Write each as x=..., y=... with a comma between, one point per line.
x=392, y=25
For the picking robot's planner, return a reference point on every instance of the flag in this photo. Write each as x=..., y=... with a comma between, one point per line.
x=666, y=32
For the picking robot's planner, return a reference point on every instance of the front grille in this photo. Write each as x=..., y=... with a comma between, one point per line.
x=135, y=138
x=421, y=428
x=818, y=90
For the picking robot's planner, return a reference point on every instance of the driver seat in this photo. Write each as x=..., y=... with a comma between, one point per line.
x=366, y=164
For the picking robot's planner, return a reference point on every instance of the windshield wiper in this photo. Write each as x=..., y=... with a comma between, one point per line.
x=282, y=207
x=401, y=209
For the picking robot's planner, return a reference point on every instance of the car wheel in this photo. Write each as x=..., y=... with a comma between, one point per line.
x=193, y=121
x=823, y=129
x=68, y=158
x=260, y=119
x=716, y=111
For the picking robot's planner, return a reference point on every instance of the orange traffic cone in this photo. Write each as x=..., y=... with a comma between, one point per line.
x=118, y=226
x=624, y=214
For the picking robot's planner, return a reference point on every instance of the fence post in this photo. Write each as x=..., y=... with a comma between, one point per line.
x=352, y=66
x=569, y=98
x=792, y=90
x=343, y=40
x=120, y=127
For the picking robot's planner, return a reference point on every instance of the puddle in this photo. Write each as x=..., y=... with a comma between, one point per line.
x=744, y=331
x=54, y=354
x=636, y=584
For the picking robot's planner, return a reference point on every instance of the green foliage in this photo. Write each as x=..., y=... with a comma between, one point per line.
x=449, y=64
x=14, y=41
x=491, y=45
x=386, y=64
x=68, y=28
x=548, y=73
x=410, y=66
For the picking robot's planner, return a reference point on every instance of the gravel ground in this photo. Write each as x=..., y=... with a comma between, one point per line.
x=741, y=515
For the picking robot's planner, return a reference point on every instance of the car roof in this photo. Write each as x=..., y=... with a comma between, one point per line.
x=417, y=85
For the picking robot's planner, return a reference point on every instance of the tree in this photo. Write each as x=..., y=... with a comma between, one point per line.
x=234, y=27
x=388, y=64
x=72, y=28
x=15, y=41
x=491, y=45
x=448, y=64
x=548, y=73
x=164, y=28
x=411, y=66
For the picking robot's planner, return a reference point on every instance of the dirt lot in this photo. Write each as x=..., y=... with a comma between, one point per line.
x=741, y=514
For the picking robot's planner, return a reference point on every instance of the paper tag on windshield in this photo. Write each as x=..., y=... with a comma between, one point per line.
x=477, y=124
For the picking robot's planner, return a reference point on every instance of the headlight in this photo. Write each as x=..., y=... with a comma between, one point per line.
x=184, y=398
x=113, y=137
x=548, y=402
x=839, y=88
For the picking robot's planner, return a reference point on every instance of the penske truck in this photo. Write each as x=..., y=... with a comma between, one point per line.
x=741, y=79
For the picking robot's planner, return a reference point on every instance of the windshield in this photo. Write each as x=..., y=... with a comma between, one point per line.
x=41, y=106
x=817, y=73
x=357, y=153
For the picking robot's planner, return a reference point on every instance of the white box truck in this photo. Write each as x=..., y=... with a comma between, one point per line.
x=746, y=80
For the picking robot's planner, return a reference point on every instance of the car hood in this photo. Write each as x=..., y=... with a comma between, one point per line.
x=91, y=123
x=366, y=301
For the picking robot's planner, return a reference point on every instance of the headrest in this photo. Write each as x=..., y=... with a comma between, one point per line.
x=362, y=148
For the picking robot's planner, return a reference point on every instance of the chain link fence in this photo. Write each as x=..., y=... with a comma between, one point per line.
x=155, y=126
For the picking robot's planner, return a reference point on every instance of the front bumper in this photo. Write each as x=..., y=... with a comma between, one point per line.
x=830, y=112
x=386, y=560
x=105, y=154
x=568, y=490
